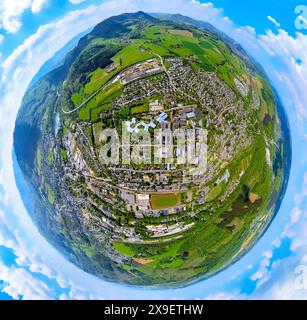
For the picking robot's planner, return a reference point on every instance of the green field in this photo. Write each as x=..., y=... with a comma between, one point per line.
x=214, y=193
x=131, y=55
x=99, y=103
x=122, y=248
x=139, y=109
x=162, y=201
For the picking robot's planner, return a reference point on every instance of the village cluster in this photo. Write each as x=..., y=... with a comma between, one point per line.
x=174, y=97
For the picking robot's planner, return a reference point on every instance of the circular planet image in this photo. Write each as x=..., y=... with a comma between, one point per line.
x=155, y=150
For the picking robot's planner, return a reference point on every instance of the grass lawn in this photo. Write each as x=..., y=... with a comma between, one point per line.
x=245, y=163
x=100, y=100
x=139, y=109
x=95, y=113
x=51, y=194
x=215, y=192
x=163, y=201
x=181, y=32
x=76, y=99
x=174, y=264
x=64, y=155
x=131, y=55
x=124, y=249
x=50, y=157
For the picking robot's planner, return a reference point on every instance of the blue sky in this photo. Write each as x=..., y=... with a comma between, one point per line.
x=30, y=268
x=53, y=9
x=254, y=13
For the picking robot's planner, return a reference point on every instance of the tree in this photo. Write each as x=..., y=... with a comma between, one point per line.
x=245, y=191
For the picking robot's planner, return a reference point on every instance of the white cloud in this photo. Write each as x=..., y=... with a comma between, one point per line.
x=203, y=4
x=19, y=282
x=37, y=5
x=270, y=18
x=76, y=1
x=276, y=278
x=12, y=10
x=1, y=38
x=227, y=19
x=286, y=50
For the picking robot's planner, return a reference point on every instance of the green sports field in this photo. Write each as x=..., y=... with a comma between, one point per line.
x=163, y=201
